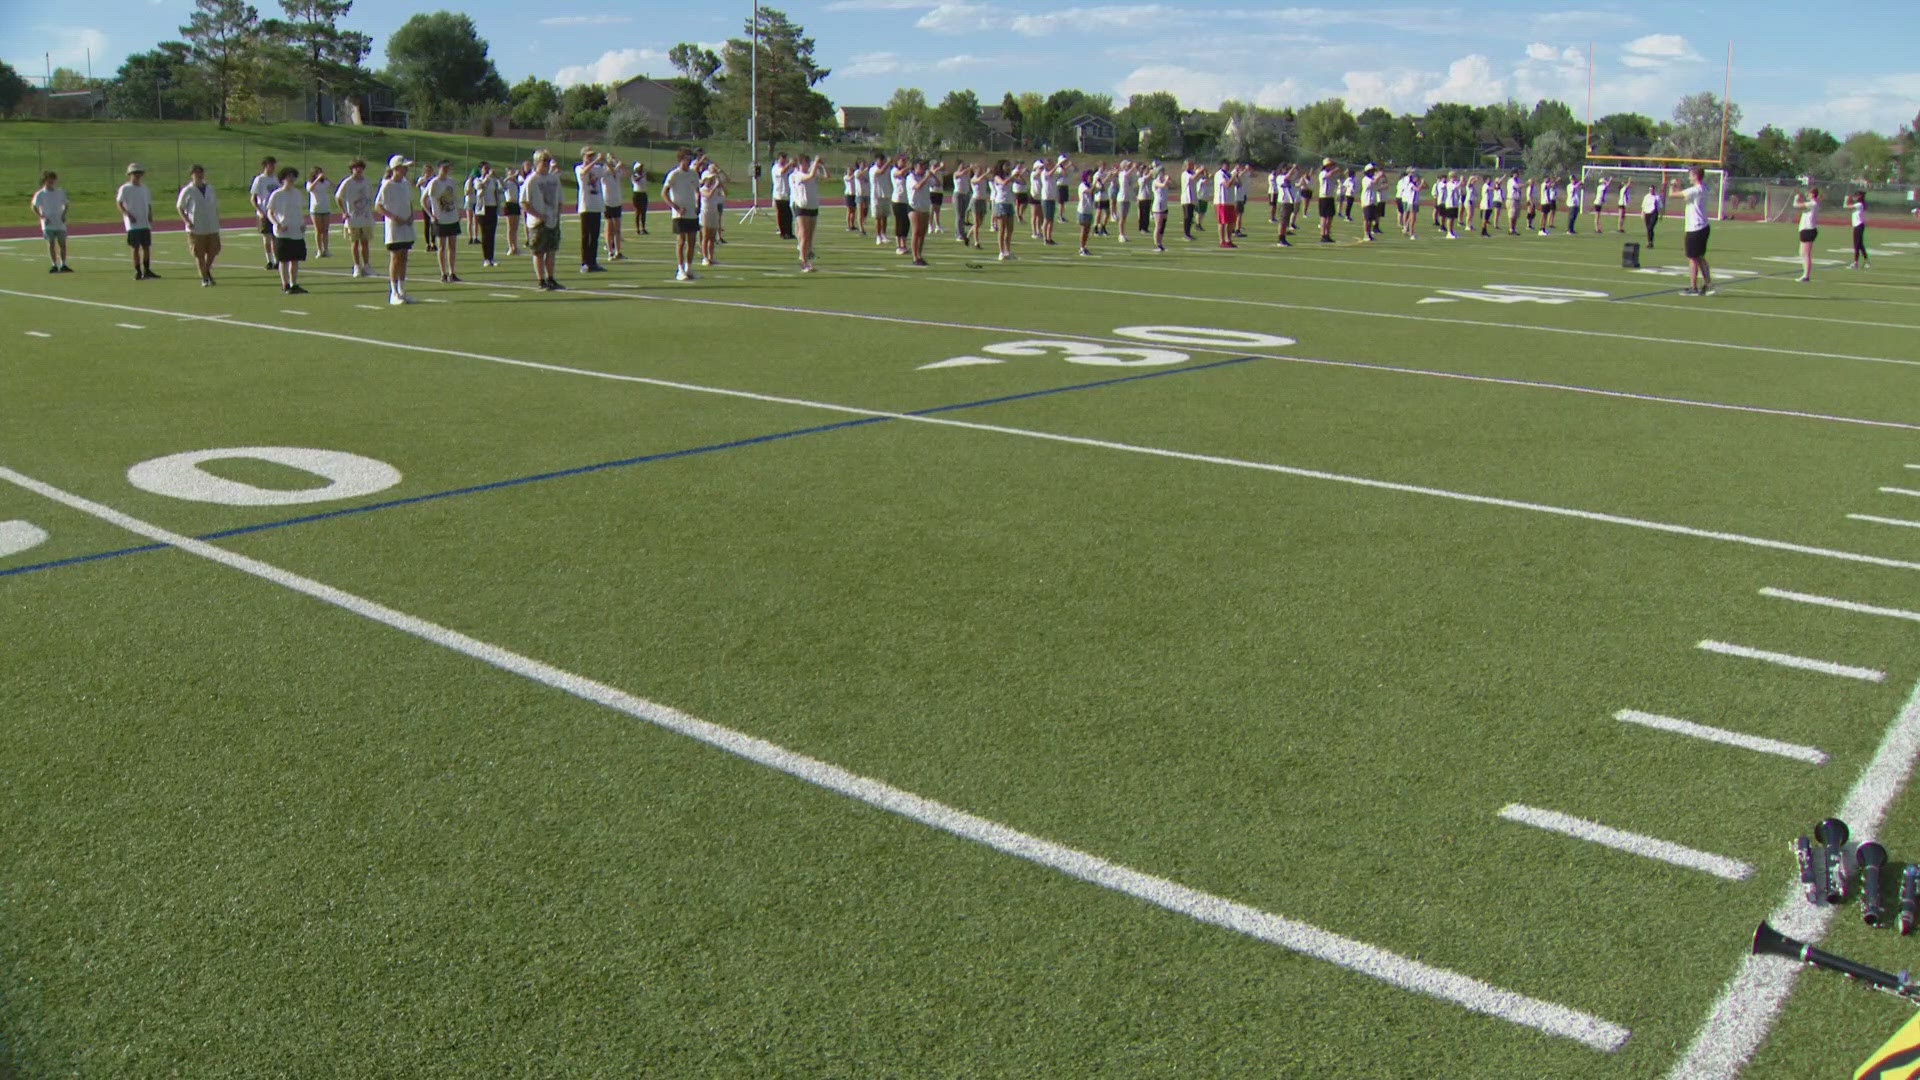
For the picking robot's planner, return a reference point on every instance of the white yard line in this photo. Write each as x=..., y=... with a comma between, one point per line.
x=1899, y=491
x=1343, y=952
x=1841, y=605
x=1824, y=667
x=1884, y=520
x=1649, y=847
x=129, y=326
x=1721, y=735
x=38, y=334
x=1753, y=997
x=1070, y=440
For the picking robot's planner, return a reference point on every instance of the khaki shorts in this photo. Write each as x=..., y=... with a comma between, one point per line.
x=359, y=234
x=207, y=244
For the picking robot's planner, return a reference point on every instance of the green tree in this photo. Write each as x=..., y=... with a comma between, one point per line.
x=1812, y=149
x=584, y=105
x=66, y=80
x=439, y=63
x=789, y=107
x=1319, y=125
x=693, y=90
x=1010, y=112
x=1149, y=122
x=13, y=89
x=904, y=122
x=1866, y=155
x=957, y=120
x=627, y=125
x=1549, y=115
x=1453, y=132
x=1405, y=148
x=1374, y=139
x=223, y=35
x=1696, y=127
x=327, y=58
x=1770, y=155
x=694, y=62
x=1035, y=120
x=530, y=101
x=1554, y=154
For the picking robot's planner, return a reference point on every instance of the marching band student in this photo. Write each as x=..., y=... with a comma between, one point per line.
x=287, y=210
x=1368, y=184
x=1513, y=197
x=1700, y=276
x=962, y=200
x=1201, y=191
x=1650, y=211
x=1809, y=207
x=428, y=227
x=136, y=213
x=1226, y=204
x=1126, y=193
x=1186, y=199
x=937, y=193
x=1000, y=191
x=1240, y=200
x=1447, y=199
x=510, y=203
x=1857, y=204
x=1143, y=193
x=1325, y=189
x=919, y=183
x=393, y=205
x=982, y=198
x=1412, y=226
x=355, y=196
x=1017, y=183
x=1549, y=203
x=1158, y=187
x=713, y=203
x=320, y=209
x=262, y=186
x=1040, y=190
x=50, y=206
x=803, y=192
x=782, y=197
x=1600, y=203
x=1489, y=203
x=1400, y=199
x=1626, y=190
x=1061, y=176
x=1349, y=187
x=470, y=195
x=199, y=207
x=1529, y=190
x=881, y=195
x=540, y=197
x=1576, y=197
x=587, y=176
x=440, y=203
x=1273, y=194
x=488, y=187
x=902, y=202
x=856, y=212
x=638, y=180
x=1102, y=201
x=1088, y=207
x=613, y=181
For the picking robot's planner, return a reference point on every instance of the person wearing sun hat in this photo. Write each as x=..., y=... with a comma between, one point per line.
x=136, y=211
x=394, y=205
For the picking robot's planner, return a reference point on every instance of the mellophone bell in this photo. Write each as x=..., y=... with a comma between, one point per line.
x=1824, y=874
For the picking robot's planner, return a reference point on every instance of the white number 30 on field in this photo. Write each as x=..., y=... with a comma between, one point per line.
x=1106, y=355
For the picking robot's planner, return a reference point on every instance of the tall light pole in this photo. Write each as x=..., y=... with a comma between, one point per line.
x=753, y=107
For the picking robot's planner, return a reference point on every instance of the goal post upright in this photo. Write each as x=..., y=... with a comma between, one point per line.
x=1634, y=164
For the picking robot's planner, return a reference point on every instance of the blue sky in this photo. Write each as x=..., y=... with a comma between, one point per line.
x=1842, y=72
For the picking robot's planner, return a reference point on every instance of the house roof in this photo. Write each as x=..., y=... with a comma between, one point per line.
x=860, y=116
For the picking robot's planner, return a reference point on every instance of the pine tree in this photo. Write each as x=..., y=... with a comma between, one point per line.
x=223, y=34
x=791, y=110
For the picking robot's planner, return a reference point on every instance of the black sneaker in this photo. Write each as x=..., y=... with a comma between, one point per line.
x=53, y=269
x=271, y=265
x=138, y=276
x=453, y=279
x=65, y=269
x=298, y=290
x=555, y=285
x=150, y=272
x=595, y=268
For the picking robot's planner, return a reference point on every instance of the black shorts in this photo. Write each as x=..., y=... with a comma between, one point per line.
x=1326, y=206
x=401, y=245
x=1023, y=198
x=686, y=226
x=938, y=197
x=1400, y=205
x=510, y=209
x=1549, y=206
x=612, y=211
x=139, y=238
x=1697, y=242
x=450, y=228
x=289, y=249
x=1808, y=236
x=806, y=211
x=266, y=227
x=852, y=201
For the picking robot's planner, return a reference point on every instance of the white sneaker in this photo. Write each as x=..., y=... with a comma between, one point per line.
x=706, y=262
x=680, y=274
x=396, y=299
x=1003, y=256
x=1803, y=277
x=356, y=272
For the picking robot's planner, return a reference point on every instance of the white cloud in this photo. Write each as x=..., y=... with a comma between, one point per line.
x=1540, y=50
x=615, y=65
x=874, y=63
x=1198, y=89
x=1397, y=91
x=962, y=18
x=1103, y=19
x=963, y=60
x=1657, y=50
x=1471, y=81
x=585, y=20
x=879, y=5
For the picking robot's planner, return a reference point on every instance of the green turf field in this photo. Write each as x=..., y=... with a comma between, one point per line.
x=706, y=679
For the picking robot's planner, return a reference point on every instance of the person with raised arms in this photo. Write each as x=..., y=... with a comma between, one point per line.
x=613, y=182
x=1325, y=188
x=50, y=206
x=1699, y=274
x=355, y=196
x=640, y=181
x=879, y=199
x=782, y=197
x=393, y=205
x=515, y=181
x=919, y=183
x=136, y=213
x=803, y=191
x=287, y=209
x=199, y=206
x=1809, y=206
x=1600, y=203
x=320, y=211
x=1157, y=205
x=937, y=195
x=681, y=189
x=490, y=196
x=540, y=197
x=1857, y=206
x=1000, y=191
x=590, y=203
x=1626, y=191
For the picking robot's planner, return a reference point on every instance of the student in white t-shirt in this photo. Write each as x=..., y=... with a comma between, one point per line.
x=393, y=205
x=262, y=186
x=136, y=213
x=999, y=190
x=1699, y=275
x=919, y=180
x=199, y=207
x=1857, y=206
x=1809, y=206
x=587, y=176
x=355, y=198
x=287, y=212
x=1650, y=211
x=1600, y=204
x=1626, y=192
x=320, y=210
x=803, y=194
x=50, y=206
x=441, y=203
x=613, y=180
x=1576, y=198
x=539, y=199
x=681, y=189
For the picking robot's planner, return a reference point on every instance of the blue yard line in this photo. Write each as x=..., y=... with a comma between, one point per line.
x=642, y=459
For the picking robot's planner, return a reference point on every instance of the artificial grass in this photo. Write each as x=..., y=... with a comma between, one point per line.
x=255, y=833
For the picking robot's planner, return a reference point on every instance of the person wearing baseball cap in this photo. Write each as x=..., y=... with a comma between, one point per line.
x=136, y=212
